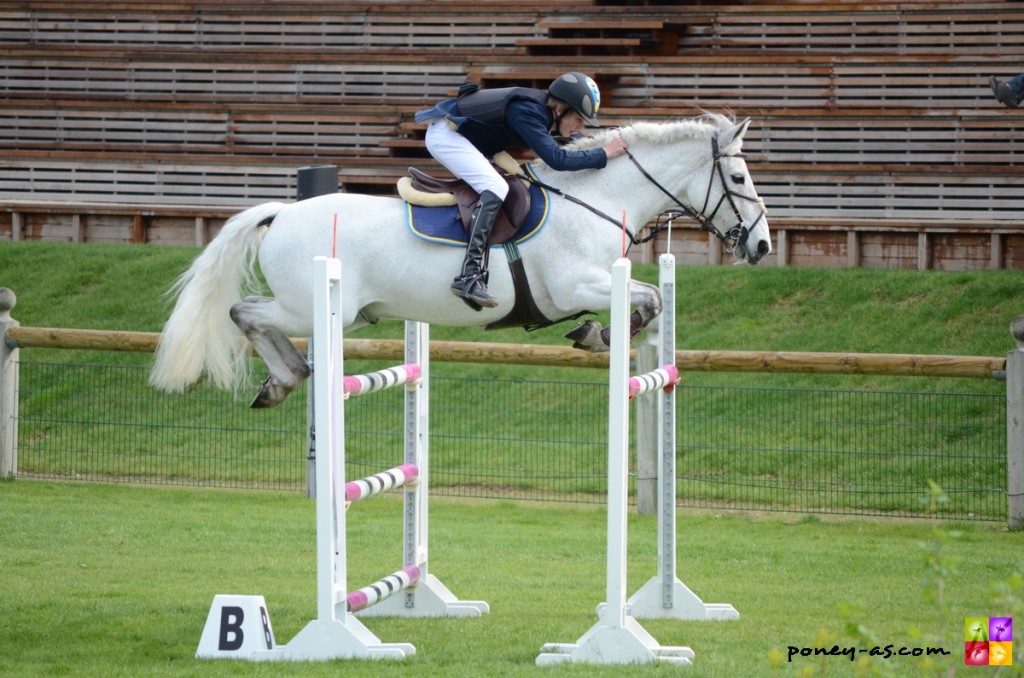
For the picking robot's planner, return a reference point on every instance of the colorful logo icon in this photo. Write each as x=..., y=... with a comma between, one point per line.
x=988, y=641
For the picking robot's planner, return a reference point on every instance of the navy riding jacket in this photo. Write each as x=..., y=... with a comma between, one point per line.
x=515, y=117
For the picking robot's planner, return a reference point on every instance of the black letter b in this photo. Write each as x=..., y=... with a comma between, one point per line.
x=231, y=625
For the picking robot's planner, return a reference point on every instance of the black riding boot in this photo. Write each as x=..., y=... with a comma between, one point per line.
x=471, y=284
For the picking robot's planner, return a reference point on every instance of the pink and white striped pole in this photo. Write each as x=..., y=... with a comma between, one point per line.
x=362, y=384
x=405, y=474
x=405, y=578
x=666, y=377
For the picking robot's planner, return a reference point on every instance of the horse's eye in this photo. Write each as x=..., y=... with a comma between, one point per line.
x=738, y=179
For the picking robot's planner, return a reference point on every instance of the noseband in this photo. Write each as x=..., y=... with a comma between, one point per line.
x=735, y=236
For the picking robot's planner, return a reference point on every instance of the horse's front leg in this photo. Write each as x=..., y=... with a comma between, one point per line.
x=643, y=297
x=287, y=367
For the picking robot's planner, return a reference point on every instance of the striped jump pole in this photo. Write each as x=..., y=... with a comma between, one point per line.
x=617, y=637
x=665, y=377
x=665, y=595
x=385, y=588
x=361, y=384
x=400, y=476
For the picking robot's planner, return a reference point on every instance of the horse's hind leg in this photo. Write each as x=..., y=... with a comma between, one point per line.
x=287, y=367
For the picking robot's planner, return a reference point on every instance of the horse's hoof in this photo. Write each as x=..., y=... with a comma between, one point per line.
x=579, y=333
x=587, y=336
x=270, y=395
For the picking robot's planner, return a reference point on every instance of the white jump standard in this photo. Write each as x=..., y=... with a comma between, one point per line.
x=617, y=637
x=411, y=591
x=664, y=596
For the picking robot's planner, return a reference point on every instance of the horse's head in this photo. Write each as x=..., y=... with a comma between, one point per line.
x=698, y=169
x=689, y=166
x=730, y=207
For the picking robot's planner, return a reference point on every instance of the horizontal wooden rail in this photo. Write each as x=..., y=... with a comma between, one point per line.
x=971, y=367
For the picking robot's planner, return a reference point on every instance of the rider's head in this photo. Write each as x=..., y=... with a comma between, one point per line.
x=577, y=100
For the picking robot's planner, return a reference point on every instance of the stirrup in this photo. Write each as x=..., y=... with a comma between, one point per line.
x=473, y=292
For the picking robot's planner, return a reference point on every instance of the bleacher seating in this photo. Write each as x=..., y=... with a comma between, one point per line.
x=876, y=140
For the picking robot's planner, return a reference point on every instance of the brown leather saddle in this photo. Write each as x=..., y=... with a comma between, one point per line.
x=513, y=211
x=524, y=312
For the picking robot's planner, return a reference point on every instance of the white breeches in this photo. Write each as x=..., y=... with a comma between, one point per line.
x=462, y=159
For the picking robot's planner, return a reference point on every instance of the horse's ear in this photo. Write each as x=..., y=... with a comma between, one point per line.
x=737, y=132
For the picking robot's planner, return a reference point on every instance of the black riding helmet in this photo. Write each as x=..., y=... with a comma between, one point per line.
x=580, y=92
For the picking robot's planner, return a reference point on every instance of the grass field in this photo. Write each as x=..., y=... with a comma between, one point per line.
x=117, y=580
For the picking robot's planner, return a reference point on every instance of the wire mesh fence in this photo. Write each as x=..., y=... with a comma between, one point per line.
x=859, y=452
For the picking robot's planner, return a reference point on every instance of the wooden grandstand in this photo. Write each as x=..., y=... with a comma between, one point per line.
x=876, y=140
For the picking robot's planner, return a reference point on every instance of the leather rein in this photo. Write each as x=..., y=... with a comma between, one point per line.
x=734, y=237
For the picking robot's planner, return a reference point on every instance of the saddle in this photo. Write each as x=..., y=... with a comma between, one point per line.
x=419, y=188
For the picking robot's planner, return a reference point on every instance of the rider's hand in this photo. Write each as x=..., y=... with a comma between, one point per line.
x=615, y=147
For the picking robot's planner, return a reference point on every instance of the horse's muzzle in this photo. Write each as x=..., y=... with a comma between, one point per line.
x=763, y=248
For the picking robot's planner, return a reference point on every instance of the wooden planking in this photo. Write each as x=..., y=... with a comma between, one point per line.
x=337, y=32
x=971, y=138
x=827, y=137
x=174, y=182
x=881, y=194
x=147, y=182
x=111, y=222
x=936, y=28
x=971, y=29
x=818, y=82
x=215, y=132
x=365, y=83
x=949, y=29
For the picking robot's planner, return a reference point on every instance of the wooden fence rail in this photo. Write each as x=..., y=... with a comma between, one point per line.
x=1010, y=368
x=804, y=362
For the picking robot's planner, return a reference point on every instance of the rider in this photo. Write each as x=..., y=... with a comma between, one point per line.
x=466, y=131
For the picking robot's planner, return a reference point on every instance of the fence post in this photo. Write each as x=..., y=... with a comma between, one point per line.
x=1015, y=428
x=8, y=389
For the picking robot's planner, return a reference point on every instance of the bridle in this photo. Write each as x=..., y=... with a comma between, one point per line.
x=731, y=239
x=735, y=236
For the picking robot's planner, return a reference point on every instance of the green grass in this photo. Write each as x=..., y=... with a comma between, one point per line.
x=117, y=580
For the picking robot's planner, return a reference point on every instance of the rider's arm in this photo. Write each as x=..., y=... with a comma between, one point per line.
x=531, y=122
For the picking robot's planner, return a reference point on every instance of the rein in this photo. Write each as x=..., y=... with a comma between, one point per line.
x=735, y=236
x=573, y=199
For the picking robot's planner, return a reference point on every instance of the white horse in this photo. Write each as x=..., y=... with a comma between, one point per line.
x=693, y=165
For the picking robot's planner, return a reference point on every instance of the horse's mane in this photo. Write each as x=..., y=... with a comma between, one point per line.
x=658, y=132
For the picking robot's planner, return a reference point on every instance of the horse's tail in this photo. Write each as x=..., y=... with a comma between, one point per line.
x=199, y=337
